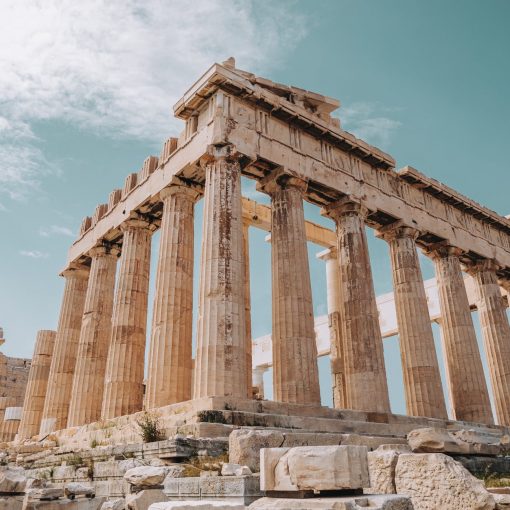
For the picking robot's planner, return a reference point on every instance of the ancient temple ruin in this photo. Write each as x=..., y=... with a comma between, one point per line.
x=90, y=372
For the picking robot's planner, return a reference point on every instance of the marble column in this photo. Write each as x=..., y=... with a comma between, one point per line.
x=37, y=384
x=96, y=329
x=330, y=257
x=170, y=357
x=123, y=386
x=467, y=387
x=60, y=380
x=6, y=427
x=295, y=369
x=247, y=308
x=220, y=367
x=496, y=334
x=420, y=368
x=366, y=388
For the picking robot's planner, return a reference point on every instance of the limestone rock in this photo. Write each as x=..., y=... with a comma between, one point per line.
x=244, y=446
x=381, y=468
x=127, y=464
x=435, y=481
x=243, y=471
x=12, y=503
x=79, y=489
x=45, y=493
x=502, y=501
x=114, y=504
x=175, y=471
x=380, y=502
x=145, y=476
x=145, y=499
x=229, y=469
x=203, y=504
x=12, y=481
x=314, y=468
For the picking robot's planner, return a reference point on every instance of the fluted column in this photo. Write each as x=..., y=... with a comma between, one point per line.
x=37, y=384
x=170, y=358
x=123, y=387
x=420, y=368
x=96, y=329
x=496, y=334
x=295, y=369
x=330, y=257
x=247, y=308
x=366, y=387
x=220, y=367
x=466, y=380
x=5, y=427
x=60, y=380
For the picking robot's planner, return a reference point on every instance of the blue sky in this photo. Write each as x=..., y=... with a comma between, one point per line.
x=86, y=93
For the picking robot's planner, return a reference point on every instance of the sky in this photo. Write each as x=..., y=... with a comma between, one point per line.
x=87, y=89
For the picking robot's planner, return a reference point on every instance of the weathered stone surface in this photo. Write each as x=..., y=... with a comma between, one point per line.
x=229, y=469
x=175, y=471
x=79, y=489
x=12, y=481
x=244, y=446
x=502, y=501
x=65, y=504
x=114, y=504
x=45, y=493
x=145, y=499
x=386, y=502
x=435, y=481
x=126, y=465
x=314, y=468
x=198, y=505
x=436, y=440
x=145, y=476
x=243, y=471
x=381, y=468
x=12, y=503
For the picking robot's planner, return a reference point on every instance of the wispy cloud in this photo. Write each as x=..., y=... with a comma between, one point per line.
x=34, y=254
x=55, y=230
x=118, y=66
x=370, y=122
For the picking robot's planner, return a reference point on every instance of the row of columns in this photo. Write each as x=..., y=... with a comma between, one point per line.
x=98, y=363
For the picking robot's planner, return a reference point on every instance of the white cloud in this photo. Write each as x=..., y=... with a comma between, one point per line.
x=370, y=122
x=55, y=230
x=34, y=254
x=118, y=66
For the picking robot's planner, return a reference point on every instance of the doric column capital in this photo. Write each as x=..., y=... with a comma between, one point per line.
x=505, y=283
x=137, y=220
x=281, y=179
x=397, y=230
x=104, y=249
x=76, y=270
x=442, y=250
x=346, y=206
x=328, y=254
x=219, y=152
x=178, y=186
x=472, y=268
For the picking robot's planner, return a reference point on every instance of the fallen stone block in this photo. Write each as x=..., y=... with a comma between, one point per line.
x=114, y=504
x=435, y=481
x=243, y=471
x=314, y=468
x=45, y=493
x=244, y=446
x=145, y=476
x=11, y=503
x=12, y=481
x=65, y=504
x=175, y=471
x=79, y=489
x=198, y=505
x=145, y=499
x=379, y=502
x=229, y=469
x=381, y=468
x=502, y=501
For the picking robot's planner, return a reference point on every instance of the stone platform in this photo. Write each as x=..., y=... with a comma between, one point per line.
x=216, y=417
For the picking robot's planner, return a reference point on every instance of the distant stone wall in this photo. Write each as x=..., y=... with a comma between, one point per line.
x=13, y=378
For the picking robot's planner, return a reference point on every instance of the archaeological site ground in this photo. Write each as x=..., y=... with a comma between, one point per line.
x=87, y=424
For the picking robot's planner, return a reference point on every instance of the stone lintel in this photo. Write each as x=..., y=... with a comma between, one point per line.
x=472, y=268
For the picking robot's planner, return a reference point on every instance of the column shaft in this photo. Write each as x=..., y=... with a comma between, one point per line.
x=330, y=258
x=247, y=308
x=170, y=357
x=60, y=380
x=420, y=368
x=37, y=385
x=96, y=329
x=466, y=381
x=295, y=369
x=123, y=388
x=496, y=335
x=220, y=367
x=366, y=387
